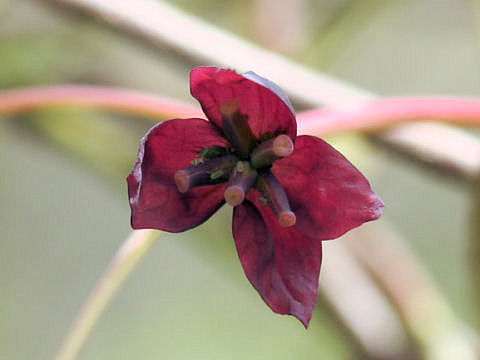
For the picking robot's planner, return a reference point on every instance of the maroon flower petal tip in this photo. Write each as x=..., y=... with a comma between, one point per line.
x=374, y=208
x=282, y=264
x=282, y=145
x=234, y=195
x=287, y=219
x=267, y=107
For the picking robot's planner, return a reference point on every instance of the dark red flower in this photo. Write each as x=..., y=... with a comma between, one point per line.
x=288, y=192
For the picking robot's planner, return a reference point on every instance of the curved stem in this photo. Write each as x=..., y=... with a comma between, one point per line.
x=114, y=99
x=368, y=115
x=423, y=309
x=158, y=22
x=125, y=260
x=372, y=115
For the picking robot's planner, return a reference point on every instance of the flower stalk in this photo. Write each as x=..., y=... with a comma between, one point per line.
x=369, y=115
x=123, y=101
x=377, y=114
x=124, y=262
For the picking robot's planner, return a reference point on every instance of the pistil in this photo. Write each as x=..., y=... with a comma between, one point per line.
x=236, y=128
x=209, y=172
x=270, y=150
x=241, y=180
x=277, y=198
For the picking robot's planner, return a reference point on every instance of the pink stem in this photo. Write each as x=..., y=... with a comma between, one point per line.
x=369, y=115
x=120, y=100
x=372, y=115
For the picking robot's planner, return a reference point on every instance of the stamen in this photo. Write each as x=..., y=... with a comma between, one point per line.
x=212, y=171
x=270, y=150
x=236, y=128
x=240, y=182
x=271, y=188
x=234, y=195
x=282, y=145
x=182, y=180
x=287, y=218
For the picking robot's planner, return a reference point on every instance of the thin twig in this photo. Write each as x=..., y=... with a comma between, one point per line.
x=457, y=154
x=114, y=99
x=367, y=116
x=355, y=299
x=424, y=310
x=125, y=260
x=380, y=114
x=164, y=25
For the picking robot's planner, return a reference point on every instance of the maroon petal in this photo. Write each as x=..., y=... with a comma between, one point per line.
x=326, y=192
x=282, y=264
x=154, y=199
x=267, y=107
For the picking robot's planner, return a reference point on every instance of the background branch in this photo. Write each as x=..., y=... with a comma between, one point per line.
x=133, y=102
x=124, y=262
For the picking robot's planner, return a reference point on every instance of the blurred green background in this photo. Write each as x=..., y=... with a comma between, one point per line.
x=64, y=208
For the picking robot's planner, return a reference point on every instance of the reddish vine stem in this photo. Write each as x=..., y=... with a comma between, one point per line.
x=376, y=114
x=369, y=115
x=114, y=99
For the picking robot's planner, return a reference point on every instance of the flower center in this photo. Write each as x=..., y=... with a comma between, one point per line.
x=247, y=164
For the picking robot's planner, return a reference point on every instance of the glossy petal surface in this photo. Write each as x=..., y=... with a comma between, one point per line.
x=281, y=263
x=267, y=112
x=326, y=192
x=154, y=199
